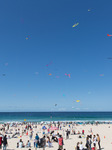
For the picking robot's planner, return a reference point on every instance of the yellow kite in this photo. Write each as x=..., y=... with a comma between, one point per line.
x=77, y=100
x=75, y=25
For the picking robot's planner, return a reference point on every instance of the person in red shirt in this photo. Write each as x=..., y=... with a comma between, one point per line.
x=0, y=142
x=60, y=142
x=48, y=130
x=82, y=131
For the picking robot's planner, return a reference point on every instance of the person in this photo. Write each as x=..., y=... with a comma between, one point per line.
x=35, y=144
x=43, y=142
x=98, y=139
x=77, y=147
x=43, y=132
x=94, y=141
x=28, y=144
x=87, y=143
x=60, y=142
x=20, y=143
x=49, y=141
x=67, y=134
x=5, y=142
x=63, y=133
x=0, y=141
x=54, y=138
x=81, y=146
x=17, y=145
x=82, y=131
x=69, y=131
x=37, y=137
x=91, y=130
x=48, y=130
x=90, y=141
x=31, y=134
x=36, y=141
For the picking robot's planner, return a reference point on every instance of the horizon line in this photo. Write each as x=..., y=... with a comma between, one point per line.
x=49, y=111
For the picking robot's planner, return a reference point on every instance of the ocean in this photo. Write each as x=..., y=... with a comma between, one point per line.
x=54, y=116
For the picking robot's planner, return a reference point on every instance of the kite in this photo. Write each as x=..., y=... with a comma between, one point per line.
x=49, y=74
x=27, y=37
x=24, y=119
x=77, y=101
x=55, y=104
x=109, y=35
x=49, y=64
x=75, y=25
x=101, y=75
x=67, y=75
x=89, y=9
x=3, y=74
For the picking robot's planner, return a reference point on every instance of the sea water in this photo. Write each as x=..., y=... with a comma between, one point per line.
x=54, y=116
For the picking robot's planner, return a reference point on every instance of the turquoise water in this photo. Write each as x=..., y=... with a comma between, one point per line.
x=55, y=116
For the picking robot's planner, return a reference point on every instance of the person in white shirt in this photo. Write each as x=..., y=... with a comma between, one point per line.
x=20, y=144
x=94, y=141
x=81, y=146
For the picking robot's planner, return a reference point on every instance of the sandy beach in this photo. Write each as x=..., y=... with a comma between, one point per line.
x=104, y=131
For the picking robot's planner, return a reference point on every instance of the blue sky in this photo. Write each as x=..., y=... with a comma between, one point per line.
x=81, y=52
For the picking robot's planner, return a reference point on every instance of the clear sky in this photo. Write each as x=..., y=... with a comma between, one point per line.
x=82, y=52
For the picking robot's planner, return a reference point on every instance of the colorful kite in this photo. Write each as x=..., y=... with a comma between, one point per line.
x=27, y=37
x=109, y=35
x=67, y=75
x=24, y=119
x=49, y=74
x=75, y=25
x=77, y=101
x=101, y=75
x=49, y=64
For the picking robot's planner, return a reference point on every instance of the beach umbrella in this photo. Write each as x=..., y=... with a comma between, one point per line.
x=54, y=128
x=44, y=128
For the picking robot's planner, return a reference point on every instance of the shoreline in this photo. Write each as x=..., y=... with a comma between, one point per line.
x=62, y=121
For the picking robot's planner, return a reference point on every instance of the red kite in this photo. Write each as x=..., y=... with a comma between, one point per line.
x=67, y=75
x=109, y=35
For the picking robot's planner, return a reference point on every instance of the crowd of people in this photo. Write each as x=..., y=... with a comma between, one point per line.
x=90, y=143
x=49, y=138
